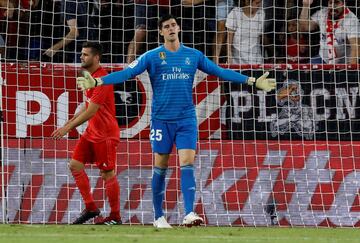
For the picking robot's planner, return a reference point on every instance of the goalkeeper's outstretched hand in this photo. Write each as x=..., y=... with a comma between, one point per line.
x=87, y=81
x=264, y=83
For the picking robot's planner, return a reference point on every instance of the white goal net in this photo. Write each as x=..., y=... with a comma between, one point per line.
x=288, y=158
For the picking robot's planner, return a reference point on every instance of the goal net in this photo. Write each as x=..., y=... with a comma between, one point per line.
x=288, y=157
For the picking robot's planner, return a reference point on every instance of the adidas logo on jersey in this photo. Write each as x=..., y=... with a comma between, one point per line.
x=163, y=62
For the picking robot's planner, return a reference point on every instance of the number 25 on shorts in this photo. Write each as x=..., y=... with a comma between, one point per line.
x=156, y=134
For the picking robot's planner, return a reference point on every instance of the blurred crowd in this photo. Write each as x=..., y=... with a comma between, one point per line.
x=227, y=31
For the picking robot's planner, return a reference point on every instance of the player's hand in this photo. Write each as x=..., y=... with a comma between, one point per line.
x=59, y=133
x=189, y=3
x=50, y=52
x=307, y=2
x=264, y=83
x=87, y=81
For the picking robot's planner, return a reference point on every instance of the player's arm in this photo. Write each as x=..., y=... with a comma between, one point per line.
x=82, y=109
x=77, y=120
x=70, y=37
x=190, y=3
x=230, y=38
x=135, y=68
x=354, y=47
x=264, y=83
x=306, y=24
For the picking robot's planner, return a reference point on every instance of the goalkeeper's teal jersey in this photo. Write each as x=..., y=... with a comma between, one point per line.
x=172, y=76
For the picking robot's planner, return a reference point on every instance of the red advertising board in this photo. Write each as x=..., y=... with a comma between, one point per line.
x=309, y=183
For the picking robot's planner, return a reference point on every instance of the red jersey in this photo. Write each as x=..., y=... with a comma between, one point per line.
x=103, y=125
x=295, y=49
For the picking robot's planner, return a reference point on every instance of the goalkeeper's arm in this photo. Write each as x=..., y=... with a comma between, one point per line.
x=87, y=81
x=264, y=83
x=135, y=68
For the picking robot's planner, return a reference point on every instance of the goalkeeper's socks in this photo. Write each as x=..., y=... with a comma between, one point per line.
x=82, y=182
x=188, y=187
x=113, y=193
x=158, y=190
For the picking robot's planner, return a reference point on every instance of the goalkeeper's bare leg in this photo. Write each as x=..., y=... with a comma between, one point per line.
x=82, y=182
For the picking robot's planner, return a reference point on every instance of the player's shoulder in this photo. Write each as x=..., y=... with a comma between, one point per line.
x=191, y=53
x=103, y=90
x=100, y=72
x=237, y=10
x=321, y=13
x=351, y=17
x=154, y=52
x=261, y=13
x=190, y=50
x=147, y=57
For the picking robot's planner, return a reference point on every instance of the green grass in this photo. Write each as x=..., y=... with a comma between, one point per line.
x=143, y=234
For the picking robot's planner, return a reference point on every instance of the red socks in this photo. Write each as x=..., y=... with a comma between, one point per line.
x=82, y=182
x=113, y=193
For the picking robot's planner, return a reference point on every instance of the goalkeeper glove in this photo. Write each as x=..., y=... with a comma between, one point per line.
x=88, y=81
x=264, y=83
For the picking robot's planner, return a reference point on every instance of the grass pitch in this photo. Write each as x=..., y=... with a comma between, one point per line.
x=144, y=234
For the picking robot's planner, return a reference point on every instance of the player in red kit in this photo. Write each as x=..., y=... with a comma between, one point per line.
x=98, y=143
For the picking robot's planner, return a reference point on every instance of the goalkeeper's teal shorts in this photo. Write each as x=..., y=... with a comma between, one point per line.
x=164, y=134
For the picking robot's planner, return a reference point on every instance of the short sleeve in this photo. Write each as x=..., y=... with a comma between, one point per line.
x=351, y=26
x=231, y=20
x=317, y=16
x=100, y=94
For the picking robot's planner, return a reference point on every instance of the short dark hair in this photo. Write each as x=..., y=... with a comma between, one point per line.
x=96, y=48
x=166, y=17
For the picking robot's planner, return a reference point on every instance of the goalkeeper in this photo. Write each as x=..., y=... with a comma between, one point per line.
x=171, y=69
x=99, y=141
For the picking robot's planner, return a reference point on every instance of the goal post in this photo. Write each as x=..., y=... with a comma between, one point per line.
x=3, y=203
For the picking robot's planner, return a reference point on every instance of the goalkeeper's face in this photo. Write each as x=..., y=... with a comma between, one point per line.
x=88, y=59
x=170, y=30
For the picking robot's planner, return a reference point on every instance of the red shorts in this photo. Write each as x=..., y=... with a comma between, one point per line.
x=103, y=154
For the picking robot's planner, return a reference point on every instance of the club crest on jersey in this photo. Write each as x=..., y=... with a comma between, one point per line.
x=187, y=61
x=162, y=55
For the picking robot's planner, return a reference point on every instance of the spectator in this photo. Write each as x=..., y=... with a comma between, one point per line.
x=339, y=30
x=146, y=17
x=29, y=30
x=109, y=20
x=296, y=45
x=7, y=8
x=2, y=46
x=271, y=11
x=245, y=32
x=223, y=7
x=197, y=25
x=80, y=29
x=8, y=27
